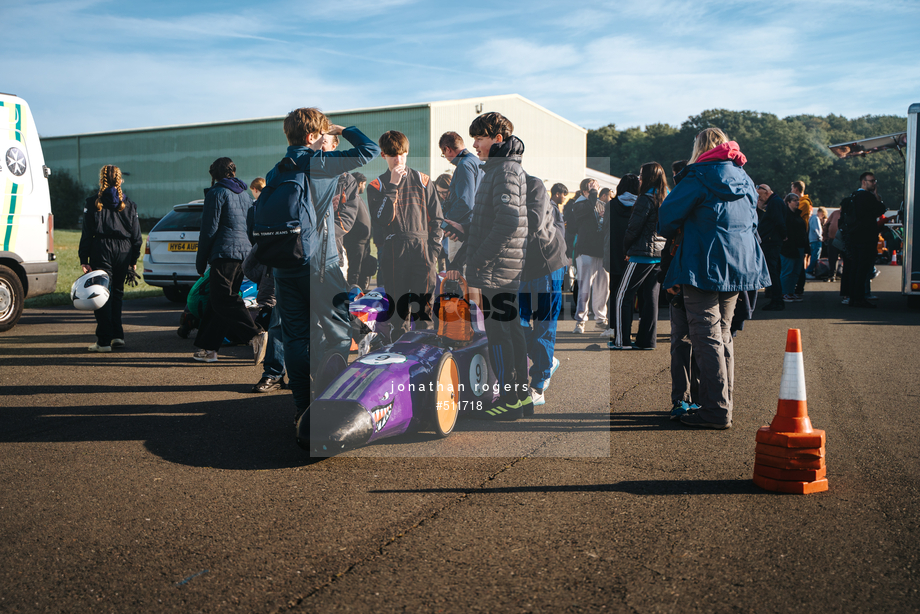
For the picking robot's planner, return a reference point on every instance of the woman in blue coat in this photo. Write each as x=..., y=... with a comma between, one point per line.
x=223, y=244
x=714, y=208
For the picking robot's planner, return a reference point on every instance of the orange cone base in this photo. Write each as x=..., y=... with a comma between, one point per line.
x=796, y=488
x=766, y=435
x=789, y=463
x=790, y=475
x=781, y=452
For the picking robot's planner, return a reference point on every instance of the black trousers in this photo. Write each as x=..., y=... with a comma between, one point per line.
x=226, y=315
x=857, y=269
x=641, y=278
x=108, y=317
x=507, y=344
x=774, y=266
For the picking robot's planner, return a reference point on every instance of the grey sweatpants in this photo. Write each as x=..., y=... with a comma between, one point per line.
x=709, y=317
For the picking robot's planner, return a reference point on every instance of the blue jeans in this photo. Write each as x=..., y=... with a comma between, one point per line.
x=541, y=336
x=791, y=269
x=815, y=254
x=312, y=313
x=273, y=366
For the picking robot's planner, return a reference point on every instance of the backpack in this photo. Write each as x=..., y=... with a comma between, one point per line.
x=282, y=240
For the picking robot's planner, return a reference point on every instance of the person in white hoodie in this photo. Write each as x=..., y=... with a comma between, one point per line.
x=615, y=222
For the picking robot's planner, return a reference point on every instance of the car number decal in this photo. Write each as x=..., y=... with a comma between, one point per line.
x=382, y=359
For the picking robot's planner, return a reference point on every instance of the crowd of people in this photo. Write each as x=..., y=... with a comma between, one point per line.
x=711, y=241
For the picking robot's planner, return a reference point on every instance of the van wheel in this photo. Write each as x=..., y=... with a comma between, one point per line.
x=11, y=298
x=176, y=294
x=444, y=408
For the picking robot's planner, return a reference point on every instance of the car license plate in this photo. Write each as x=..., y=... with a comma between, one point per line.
x=183, y=247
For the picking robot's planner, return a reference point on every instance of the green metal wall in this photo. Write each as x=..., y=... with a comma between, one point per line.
x=168, y=166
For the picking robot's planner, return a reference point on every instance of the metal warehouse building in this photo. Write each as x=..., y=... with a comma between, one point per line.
x=169, y=165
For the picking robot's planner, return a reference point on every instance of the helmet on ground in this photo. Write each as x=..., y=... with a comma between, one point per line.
x=91, y=291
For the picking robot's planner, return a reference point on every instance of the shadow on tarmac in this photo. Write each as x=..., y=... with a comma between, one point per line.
x=634, y=487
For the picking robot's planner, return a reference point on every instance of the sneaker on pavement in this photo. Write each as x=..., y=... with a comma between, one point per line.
x=552, y=370
x=809, y=276
x=507, y=411
x=611, y=345
x=99, y=348
x=259, y=344
x=869, y=297
x=789, y=298
x=679, y=409
x=798, y=298
x=579, y=328
x=600, y=325
x=267, y=384
x=694, y=419
x=118, y=343
x=609, y=332
x=845, y=301
x=538, y=396
x=205, y=356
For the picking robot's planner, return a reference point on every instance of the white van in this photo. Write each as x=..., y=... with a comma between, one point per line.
x=27, y=262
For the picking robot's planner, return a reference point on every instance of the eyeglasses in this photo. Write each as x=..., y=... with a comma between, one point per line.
x=873, y=180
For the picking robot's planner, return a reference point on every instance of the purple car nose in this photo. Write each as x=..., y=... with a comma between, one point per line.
x=333, y=426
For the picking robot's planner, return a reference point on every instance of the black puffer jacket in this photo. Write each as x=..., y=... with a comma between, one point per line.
x=110, y=237
x=223, y=223
x=497, y=239
x=640, y=238
x=615, y=221
x=545, y=245
x=585, y=224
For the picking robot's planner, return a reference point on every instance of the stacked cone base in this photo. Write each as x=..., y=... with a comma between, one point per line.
x=814, y=439
x=790, y=475
x=795, y=488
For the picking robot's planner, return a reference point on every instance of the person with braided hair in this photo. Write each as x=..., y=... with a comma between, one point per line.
x=111, y=242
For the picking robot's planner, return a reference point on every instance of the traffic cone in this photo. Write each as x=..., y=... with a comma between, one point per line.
x=894, y=257
x=789, y=455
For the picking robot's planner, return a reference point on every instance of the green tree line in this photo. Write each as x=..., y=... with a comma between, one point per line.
x=779, y=151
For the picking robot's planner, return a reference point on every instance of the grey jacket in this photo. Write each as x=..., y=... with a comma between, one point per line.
x=640, y=238
x=545, y=242
x=223, y=224
x=497, y=240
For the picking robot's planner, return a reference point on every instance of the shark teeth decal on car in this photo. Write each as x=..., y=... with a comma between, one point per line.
x=381, y=415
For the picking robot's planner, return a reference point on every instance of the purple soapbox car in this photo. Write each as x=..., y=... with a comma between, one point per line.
x=422, y=382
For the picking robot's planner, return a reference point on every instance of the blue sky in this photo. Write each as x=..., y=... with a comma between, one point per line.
x=88, y=65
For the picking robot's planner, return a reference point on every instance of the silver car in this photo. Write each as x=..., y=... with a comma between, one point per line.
x=172, y=246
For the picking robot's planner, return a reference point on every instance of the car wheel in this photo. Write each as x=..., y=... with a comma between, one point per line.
x=11, y=298
x=444, y=406
x=176, y=294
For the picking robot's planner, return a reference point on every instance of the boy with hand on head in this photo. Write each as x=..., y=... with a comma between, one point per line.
x=406, y=217
x=310, y=296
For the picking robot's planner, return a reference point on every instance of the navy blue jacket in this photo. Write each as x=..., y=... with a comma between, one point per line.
x=772, y=228
x=223, y=224
x=461, y=196
x=323, y=169
x=716, y=205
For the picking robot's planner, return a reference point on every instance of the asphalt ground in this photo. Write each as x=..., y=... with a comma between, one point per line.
x=140, y=481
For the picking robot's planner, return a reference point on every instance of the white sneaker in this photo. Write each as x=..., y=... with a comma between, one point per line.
x=99, y=348
x=538, y=398
x=579, y=328
x=608, y=333
x=205, y=356
x=552, y=370
x=118, y=343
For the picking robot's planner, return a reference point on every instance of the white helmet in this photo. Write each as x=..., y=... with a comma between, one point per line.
x=91, y=291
